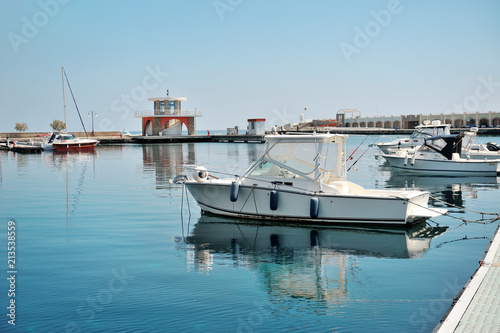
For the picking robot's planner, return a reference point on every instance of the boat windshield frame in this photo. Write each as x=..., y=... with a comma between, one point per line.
x=66, y=136
x=452, y=144
x=422, y=132
x=314, y=168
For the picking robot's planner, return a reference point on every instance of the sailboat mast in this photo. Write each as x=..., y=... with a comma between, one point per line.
x=64, y=99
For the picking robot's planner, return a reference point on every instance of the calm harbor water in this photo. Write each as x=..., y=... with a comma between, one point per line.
x=102, y=246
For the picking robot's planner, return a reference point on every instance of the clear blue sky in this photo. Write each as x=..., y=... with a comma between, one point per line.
x=240, y=59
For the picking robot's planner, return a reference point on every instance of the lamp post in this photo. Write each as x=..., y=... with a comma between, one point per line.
x=92, y=114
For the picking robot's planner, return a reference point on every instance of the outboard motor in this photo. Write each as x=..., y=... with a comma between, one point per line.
x=492, y=146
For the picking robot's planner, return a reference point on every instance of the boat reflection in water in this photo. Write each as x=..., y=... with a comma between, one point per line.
x=453, y=190
x=300, y=261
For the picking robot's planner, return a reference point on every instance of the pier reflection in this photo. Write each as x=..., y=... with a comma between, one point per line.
x=314, y=263
x=167, y=161
x=453, y=190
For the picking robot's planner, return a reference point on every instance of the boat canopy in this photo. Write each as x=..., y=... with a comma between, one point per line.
x=315, y=157
x=446, y=145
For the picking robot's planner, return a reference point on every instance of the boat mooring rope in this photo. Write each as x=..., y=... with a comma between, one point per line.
x=482, y=220
x=187, y=200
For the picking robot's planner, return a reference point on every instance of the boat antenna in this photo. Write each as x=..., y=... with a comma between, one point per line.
x=362, y=154
x=75, y=103
x=64, y=99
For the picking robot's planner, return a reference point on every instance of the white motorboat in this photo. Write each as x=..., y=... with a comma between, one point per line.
x=482, y=151
x=426, y=130
x=478, y=151
x=441, y=155
x=68, y=142
x=302, y=178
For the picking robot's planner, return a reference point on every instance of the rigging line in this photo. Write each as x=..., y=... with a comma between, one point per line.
x=254, y=201
x=259, y=179
x=187, y=200
x=182, y=199
x=248, y=197
x=51, y=95
x=470, y=210
x=182, y=219
x=75, y=104
x=261, y=157
x=460, y=239
x=458, y=218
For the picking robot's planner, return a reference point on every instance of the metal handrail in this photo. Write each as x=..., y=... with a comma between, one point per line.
x=182, y=113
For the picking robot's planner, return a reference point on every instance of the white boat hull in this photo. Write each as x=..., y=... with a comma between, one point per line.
x=254, y=202
x=445, y=167
x=386, y=147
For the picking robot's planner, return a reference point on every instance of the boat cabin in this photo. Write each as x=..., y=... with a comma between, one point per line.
x=446, y=145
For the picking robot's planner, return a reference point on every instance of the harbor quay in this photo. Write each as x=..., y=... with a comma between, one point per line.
x=117, y=137
x=120, y=138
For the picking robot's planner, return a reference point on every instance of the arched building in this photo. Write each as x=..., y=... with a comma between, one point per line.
x=479, y=119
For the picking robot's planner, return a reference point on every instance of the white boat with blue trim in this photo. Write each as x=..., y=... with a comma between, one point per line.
x=302, y=178
x=426, y=130
x=442, y=155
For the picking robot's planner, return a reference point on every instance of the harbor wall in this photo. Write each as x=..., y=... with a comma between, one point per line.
x=32, y=135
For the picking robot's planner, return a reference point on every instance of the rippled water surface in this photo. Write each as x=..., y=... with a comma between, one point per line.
x=101, y=246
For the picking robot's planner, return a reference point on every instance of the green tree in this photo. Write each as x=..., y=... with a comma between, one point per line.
x=58, y=125
x=21, y=127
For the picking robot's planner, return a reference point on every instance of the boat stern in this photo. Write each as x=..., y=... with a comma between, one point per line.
x=418, y=208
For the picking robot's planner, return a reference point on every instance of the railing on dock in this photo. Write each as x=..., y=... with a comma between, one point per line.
x=182, y=113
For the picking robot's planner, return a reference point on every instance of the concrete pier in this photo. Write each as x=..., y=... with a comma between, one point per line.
x=246, y=138
x=477, y=307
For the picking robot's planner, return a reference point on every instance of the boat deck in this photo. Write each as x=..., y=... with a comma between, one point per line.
x=478, y=306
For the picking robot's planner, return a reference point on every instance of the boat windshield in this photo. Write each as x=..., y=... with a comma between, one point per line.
x=445, y=145
x=299, y=157
x=427, y=132
x=67, y=137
